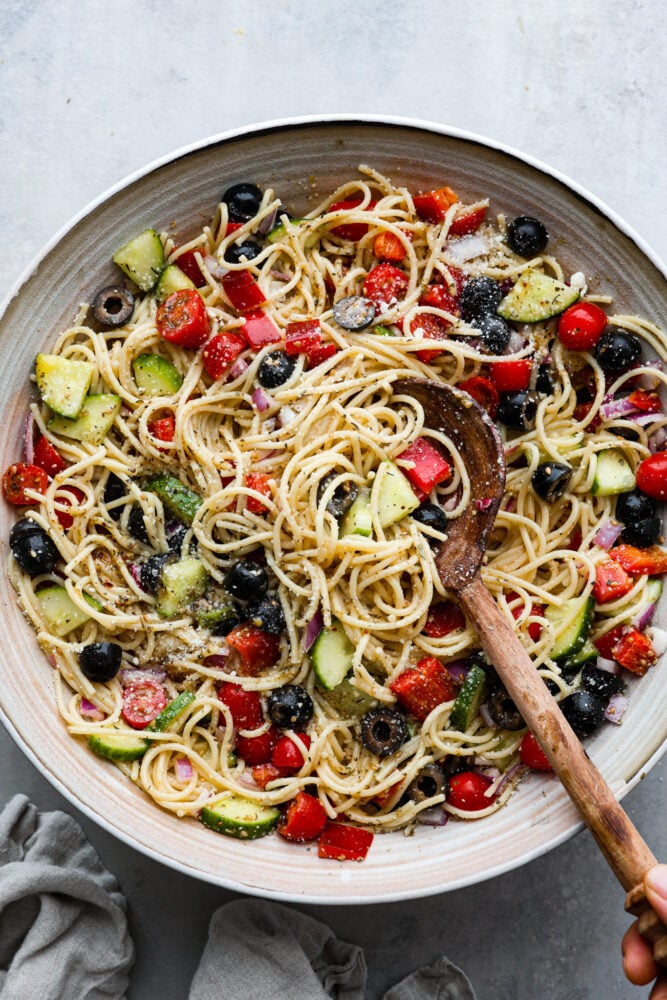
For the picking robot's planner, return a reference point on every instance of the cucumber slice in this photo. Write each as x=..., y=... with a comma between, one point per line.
x=142, y=259
x=93, y=422
x=155, y=376
x=349, y=701
x=214, y=618
x=239, y=817
x=63, y=384
x=118, y=744
x=61, y=613
x=178, y=499
x=613, y=474
x=470, y=697
x=358, y=520
x=171, y=712
x=171, y=280
x=181, y=583
x=331, y=656
x=571, y=665
x=572, y=623
x=391, y=495
x=279, y=232
x=536, y=297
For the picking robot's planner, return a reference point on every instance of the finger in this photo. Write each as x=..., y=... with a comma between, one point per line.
x=656, y=890
x=638, y=963
x=659, y=991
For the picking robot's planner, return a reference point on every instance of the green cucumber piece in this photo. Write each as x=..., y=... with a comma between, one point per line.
x=178, y=499
x=349, y=701
x=155, y=376
x=358, y=520
x=392, y=496
x=613, y=474
x=572, y=622
x=181, y=583
x=279, y=232
x=94, y=421
x=571, y=665
x=470, y=697
x=536, y=296
x=63, y=384
x=118, y=744
x=171, y=280
x=61, y=613
x=171, y=712
x=331, y=656
x=239, y=817
x=212, y=617
x=142, y=259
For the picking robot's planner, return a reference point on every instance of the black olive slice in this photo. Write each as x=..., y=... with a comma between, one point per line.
x=551, y=479
x=383, y=730
x=343, y=496
x=113, y=305
x=429, y=782
x=290, y=707
x=354, y=312
x=503, y=712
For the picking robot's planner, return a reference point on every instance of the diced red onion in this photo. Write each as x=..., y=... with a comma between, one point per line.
x=647, y=380
x=183, y=768
x=617, y=408
x=29, y=439
x=246, y=779
x=615, y=710
x=486, y=716
x=281, y=275
x=515, y=343
x=510, y=506
x=269, y=221
x=135, y=572
x=644, y=618
x=644, y=419
x=286, y=415
x=509, y=776
x=658, y=440
x=609, y=666
x=214, y=267
x=458, y=669
x=467, y=248
x=313, y=629
x=90, y=711
x=607, y=534
x=435, y=816
x=658, y=638
x=450, y=504
x=216, y=660
x=260, y=399
x=133, y=675
x=483, y=503
x=238, y=368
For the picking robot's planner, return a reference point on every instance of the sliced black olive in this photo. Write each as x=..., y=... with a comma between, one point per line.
x=32, y=548
x=551, y=479
x=266, y=614
x=617, y=350
x=503, y=712
x=634, y=506
x=100, y=661
x=494, y=332
x=431, y=515
x=527, y=236
x=246, y=580
x=290, y=707
x=243, y=201
x=150, y=573
x=383, y=730
x=236, y=253
x=114, y=489
x=601, y=682
x=429, y=782
x=226, y=620
x=627, y=433
x=275, y=369
x=480, y=297
x=642, y=534
x=343, y=496
x=113, y=305
x=136, y=525
x=354, y=312
x=584, y=711
x=544, y=384
x=517, y=410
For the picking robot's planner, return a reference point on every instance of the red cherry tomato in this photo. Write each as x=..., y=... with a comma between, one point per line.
x=466, y=791
x=652, y=476
x=257, y=749
x=221, y=352
x=258, y=650
x=387, y=246
x=304, y=819
x=511, y=376
x=182, y=319
x=385, y=284
x=287, y=754
x=245, y=706
x=47, y=458
x=21, y=477
x=580, y=327
x=533, y=755
x=143, y=702
x=70, y=496
x=483, y=391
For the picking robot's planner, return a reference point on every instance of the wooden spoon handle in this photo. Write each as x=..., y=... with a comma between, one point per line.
x=620, y=842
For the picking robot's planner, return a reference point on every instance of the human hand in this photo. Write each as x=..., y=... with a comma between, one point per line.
x=637, y=958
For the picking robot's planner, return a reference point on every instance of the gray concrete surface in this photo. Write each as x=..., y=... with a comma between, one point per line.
x=88, y=93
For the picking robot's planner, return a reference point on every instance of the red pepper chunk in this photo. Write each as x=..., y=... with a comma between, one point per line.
x=429, y=467
x=339, y=842
x=318, y=355
x=243, y=291
x=182, y=319
x=387, y=246
x=647, y=402
x=422, y=688
x=511, y=376
x=221, y=352
x=257, y=749
x=302, y=337
x=264, y=773
x=189, y=266
x=71, y=496
x=351, y=230
x=258, y=650
x=606, y=643
x=245, y=707
x=611, y=582
x=261, y=483
x=47, y=458
x=432, y=206
x=286, y=753
x=164, y=428
x=651, y=561
x=426, y=326
x=483, y=391
x=304, y=819
x=534, y=628
x=259, y=330
x=468, y=222
x=635, y=652
x=442, y=619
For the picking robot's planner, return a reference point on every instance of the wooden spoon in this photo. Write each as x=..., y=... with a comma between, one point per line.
x=458, y=560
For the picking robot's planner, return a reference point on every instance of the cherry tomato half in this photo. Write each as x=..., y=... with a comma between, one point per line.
x=511, y=376
x=21, y=477
x=466, y=791
x=580, y=327
x=182, y=319
x=143, y=702
x=483, y=391
x=385, y=284
x=652, y=476
x=533, y=755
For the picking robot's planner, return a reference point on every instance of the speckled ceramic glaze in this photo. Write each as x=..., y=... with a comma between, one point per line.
x=303, y=160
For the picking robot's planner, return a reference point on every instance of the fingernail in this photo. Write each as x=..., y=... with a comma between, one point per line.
x=656, y=881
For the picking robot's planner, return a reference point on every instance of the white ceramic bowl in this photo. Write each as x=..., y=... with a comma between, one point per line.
x=302, y=160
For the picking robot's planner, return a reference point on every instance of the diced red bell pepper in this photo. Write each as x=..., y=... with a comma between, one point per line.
x=580, y=413
x=47, y=458
x=647, y=402
x=303, y=337
x=257, y=749
x=320, y=354
x=611, y=582
x=233, y=227
x=429, y=467
x=483, y=391
x=261, y=483
x=457, y=276
x=576, y=539
x=534, y=628
x=65, y=519
x=244, y=706
x=258, y=650
x=287, y=754
x=606, y=643
x=387, y=246
x=635, y=652
x=468, y=222
x=443, y=618
x=385, y=284
x=651, y=561
x=339, y=842
x=422, y=688
x=221, y=352
x=382, y=798
x=21, y=477
x=243, y=291
x=189, y=266
x=259, y=329
x=511, y=376
x=440, y=297
x=182, y=319
x=432, y=205
x=304, y=819
x=264, y=773
x=351, y=230
x=163, y=428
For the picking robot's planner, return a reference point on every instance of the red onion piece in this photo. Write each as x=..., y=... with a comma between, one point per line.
x=644, y=419
x=261, y=400
x=268, y=222
x=513, y=772
x=609, y=666
x=435, y=816
x=617, y=408
x=510, y=506
x=281, y=275
x=313, y=629
x=135, y=572
x=238, y=368
x=286, y=415
x=90, y=711
x=246, y=779
x=183, y=768
x=647, y=380
x=615, y=710
x=29, y=439
x=607, y=534
x=486, y=717
x=214, y=267
x=658, y=440
x=658, y=638
x=458, y=669
x=450, y=504
x=133, y=675
x=644, y=618
x=483, y=503
x=216, y=660
x=467, y=248
x=515, y=343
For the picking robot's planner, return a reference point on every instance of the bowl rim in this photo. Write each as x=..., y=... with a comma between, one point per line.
x=220, y=139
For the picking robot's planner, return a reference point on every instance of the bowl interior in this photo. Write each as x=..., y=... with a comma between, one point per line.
x=302, y=162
